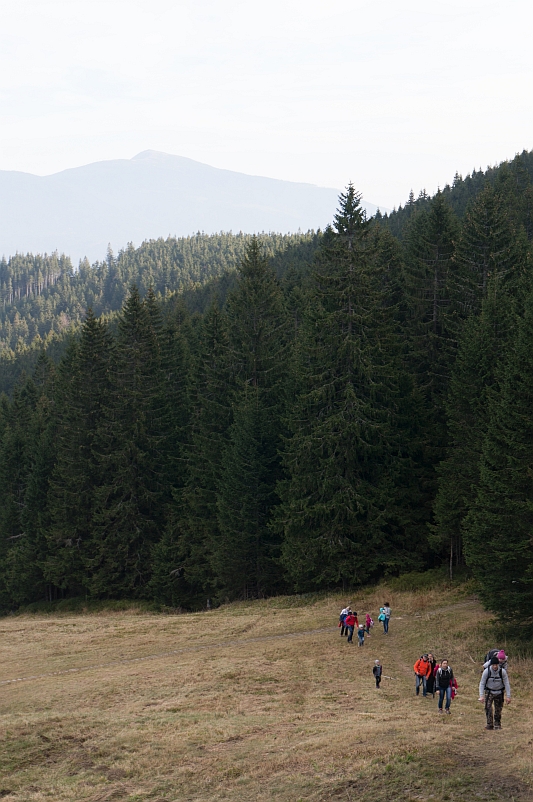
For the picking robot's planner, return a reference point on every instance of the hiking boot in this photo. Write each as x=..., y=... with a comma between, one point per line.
x=488, y=727
x=448, y=712
x=440, y=710
x=497, y=726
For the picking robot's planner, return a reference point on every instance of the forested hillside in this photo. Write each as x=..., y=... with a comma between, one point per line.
x=310, y=428
x=43, y=300
x=513, y=178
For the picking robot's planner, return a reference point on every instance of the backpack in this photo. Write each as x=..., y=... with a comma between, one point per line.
x=491, y=675
x=444, y=675
x=490, y=654
x=381, y=617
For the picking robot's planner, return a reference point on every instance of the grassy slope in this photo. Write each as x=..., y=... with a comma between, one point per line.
x=244, y=713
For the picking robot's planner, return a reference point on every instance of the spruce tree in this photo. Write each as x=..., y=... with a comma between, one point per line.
x=488, y=247
x=195, y=531
x=339, y=505
x=430, y=246
x=82, y=396
x=258, y=353
x=497, y=530
x=483, y=339
x=243, y=556
x=15, y=472
x=130, y=514
x=429, y=327
x=490, y=273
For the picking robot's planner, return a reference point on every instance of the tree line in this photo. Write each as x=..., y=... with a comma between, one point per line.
x=362, y=419
x=42, y=297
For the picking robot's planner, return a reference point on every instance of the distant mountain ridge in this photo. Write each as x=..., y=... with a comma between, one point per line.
x=80, y=210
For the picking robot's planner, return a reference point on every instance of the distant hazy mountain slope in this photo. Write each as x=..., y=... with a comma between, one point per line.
x=80, y=211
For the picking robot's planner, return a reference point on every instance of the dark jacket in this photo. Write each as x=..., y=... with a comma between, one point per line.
x=443, y=677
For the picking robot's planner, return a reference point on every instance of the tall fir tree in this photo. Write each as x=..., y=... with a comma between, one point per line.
x=258, y=353
x=490, y=275
x=482, y=340
x=489, y=247
x=244, y=555
x=82, y=396
x=130, y=515
x=497, y=529
x=24, y=571
x=338, y=502
x=15, y=473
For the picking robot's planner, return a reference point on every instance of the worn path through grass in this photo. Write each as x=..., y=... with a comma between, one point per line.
x=259, y=701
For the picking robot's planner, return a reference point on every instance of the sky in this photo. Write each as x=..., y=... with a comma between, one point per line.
x=391, y=95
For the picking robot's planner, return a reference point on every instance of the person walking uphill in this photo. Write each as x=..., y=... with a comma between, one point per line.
x=361, y=634
x=422, y=669
x=430, y=684
x=342, y=619
x=387, y=613
x=377, y=671
x=443, y=683
x=350, y=622
x=494, y=681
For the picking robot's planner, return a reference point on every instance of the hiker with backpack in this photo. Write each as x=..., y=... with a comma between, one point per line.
x=350, y=622
x=430, y=682
x=387, y=614
x=500, y=654
x=494, y=681
x=422, y=669
x=377, y=671
x=443, y=683
x=342, y=618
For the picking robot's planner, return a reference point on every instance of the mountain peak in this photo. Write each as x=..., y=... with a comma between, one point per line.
x=151, y=154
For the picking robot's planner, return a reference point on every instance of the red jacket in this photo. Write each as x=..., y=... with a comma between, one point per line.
x=351, y=620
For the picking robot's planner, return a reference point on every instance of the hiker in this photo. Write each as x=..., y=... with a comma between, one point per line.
x=387, y=614
x=422, y=669
x=342, y=618
x=377, y=671
x=443, y=682
x=369, y=623
x=500, y=654
x=349, y=622
x=494, y=681
x=361, y=634
x=430, y=682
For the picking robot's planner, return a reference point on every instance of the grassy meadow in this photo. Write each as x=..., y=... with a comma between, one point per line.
x=255, y=701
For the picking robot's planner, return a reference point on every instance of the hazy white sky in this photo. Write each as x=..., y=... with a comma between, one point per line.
x=389, y=94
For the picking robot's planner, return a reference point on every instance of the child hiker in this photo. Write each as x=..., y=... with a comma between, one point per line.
x=369, y=623
x=377, y=671
x=361, y=634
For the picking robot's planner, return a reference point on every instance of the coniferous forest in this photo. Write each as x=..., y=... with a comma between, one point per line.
x=285, y=414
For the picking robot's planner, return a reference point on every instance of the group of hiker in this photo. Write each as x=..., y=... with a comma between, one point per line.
x=349, y=622
x=434, y=677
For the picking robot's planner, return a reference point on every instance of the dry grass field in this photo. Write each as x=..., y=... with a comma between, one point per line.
x=259, y=701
